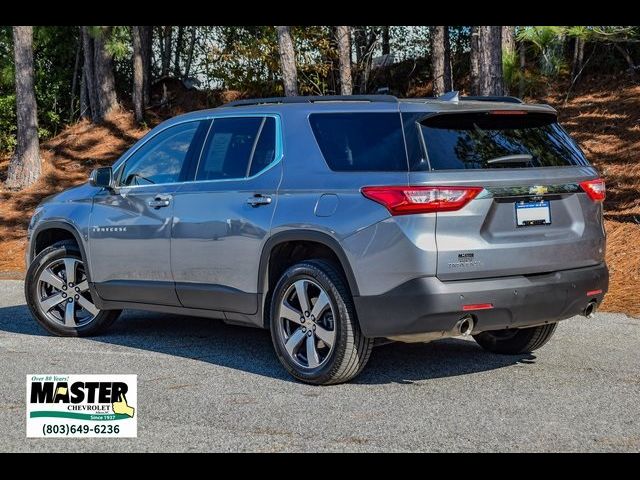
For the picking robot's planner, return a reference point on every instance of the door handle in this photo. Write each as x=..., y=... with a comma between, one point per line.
x=159, y=202
x=258, y=200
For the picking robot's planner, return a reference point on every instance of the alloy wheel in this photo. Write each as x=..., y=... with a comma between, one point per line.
x=306, y=324
x=63, y=293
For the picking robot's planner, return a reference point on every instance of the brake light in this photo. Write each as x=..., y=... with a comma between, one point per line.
x=595, y=189
x=410, y=200
x=507, y=112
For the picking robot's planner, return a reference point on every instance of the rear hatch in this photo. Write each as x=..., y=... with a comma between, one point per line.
x=538, y=210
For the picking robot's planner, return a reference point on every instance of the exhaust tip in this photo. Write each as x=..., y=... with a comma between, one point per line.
x=465, y=325
x=590, y=309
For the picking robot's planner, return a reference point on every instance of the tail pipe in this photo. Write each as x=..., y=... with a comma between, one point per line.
x=464, y=326
x=590, y=310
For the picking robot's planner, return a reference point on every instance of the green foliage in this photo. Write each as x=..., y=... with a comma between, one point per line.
x=601, y=34
x=119, y=42
x=511, y=70
x=547, y=42
x=7, y=122
x=54, y=50
x=243, y=58
x=7, y=94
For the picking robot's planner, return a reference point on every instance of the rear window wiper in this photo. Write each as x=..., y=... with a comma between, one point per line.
x=516, y=158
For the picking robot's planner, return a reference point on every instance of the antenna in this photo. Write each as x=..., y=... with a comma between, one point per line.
x=451, y=96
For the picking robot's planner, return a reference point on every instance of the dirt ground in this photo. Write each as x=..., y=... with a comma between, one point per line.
x=603, y=116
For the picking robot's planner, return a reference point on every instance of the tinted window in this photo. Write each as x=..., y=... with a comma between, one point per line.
x=485, y=140
x=228, y=148
x=162, y=158
x=265, y=151
x=360, y=141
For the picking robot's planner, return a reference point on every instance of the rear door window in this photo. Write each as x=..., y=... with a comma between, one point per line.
x=360, y=141
x=496, y=140
x=228, y=148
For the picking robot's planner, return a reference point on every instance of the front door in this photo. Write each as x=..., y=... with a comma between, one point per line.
x=223, y=218
x=130, y=230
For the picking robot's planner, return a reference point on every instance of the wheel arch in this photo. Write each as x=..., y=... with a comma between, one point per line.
x=48, y=226
x=289, y=236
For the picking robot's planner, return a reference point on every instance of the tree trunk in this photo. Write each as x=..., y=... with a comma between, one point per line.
x=92, y=111
x=24, y=168
x=364, y=42
x=74, y=80
x=574, y=62
x=508, y=49
x=475, y=62
x=508, y=40
x=104, y=81
x=580, y=56
x=386, y=49
x=441, y=60
x=523, y=66
x=146, y=37
x=343, y=36
x=627, y=57
x=176, y=58
x=138, y=74
x=490, y=60
x=192, y=43
x=85, y=108
x=166, y=50
x=287, y=61
x=359, y=40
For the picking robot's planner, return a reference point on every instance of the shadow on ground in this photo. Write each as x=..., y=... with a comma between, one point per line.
x=250, y=350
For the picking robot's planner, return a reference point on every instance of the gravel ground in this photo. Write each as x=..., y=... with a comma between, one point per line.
x=207, y=386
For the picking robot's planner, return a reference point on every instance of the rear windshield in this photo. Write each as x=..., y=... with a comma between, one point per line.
x=495, y=140
x=360, y=141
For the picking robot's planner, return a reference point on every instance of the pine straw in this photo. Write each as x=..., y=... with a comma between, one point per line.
x=623, y=239
x=602, y=115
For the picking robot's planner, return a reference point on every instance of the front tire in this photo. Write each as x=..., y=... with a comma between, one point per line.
x=58, y=295
x=313, y=324
x=516, y=341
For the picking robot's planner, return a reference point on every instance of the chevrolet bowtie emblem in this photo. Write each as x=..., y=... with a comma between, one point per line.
x=538, y=190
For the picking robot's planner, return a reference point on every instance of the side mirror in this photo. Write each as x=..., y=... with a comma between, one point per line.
x=101, y=177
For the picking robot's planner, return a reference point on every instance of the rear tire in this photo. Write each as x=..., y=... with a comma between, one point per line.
x=516, y=341
x=325, y=350
x=58, y=295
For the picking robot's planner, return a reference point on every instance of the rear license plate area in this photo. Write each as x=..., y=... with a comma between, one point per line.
x=533, y=213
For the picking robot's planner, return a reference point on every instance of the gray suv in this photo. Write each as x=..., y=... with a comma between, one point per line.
x=337, y=223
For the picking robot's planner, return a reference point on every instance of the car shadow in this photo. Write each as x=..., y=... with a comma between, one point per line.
x=250, y=349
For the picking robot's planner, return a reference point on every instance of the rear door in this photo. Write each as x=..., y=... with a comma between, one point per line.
x=532, y=216
x=222, y=219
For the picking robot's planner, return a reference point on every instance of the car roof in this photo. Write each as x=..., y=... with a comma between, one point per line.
x=360, y=103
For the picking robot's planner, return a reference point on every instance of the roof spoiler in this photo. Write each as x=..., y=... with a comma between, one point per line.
x=313, y=99
x=492, y=98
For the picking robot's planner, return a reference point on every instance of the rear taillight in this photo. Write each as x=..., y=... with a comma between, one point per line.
x=409, y=200
x=595, y=189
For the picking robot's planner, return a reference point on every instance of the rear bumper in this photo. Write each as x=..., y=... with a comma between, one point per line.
x=428, y=304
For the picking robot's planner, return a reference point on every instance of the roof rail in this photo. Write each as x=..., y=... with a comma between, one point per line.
x=492, y=98
x=313, y=99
